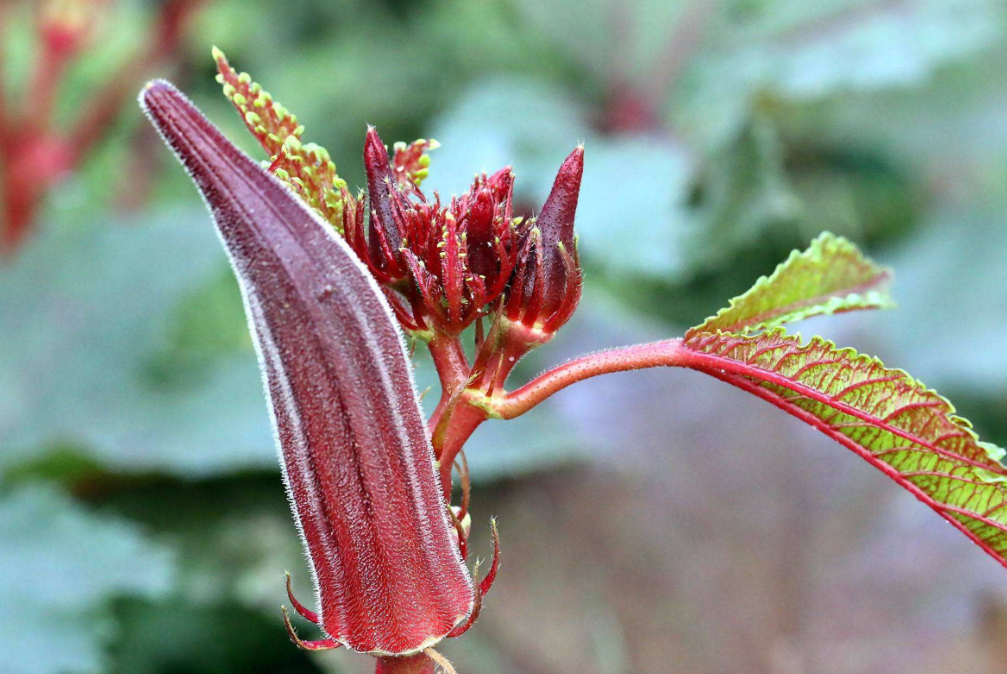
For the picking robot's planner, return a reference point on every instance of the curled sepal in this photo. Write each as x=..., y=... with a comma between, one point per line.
x=483, y=588
x=317, y=645
x=301, y=609
x=491, y=575
x=477, y=596
x=356, y=458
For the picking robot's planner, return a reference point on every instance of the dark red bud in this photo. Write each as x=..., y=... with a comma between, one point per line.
x=357, y=461
x=556, y=220
x=385, y=235
x=482, y=255
x=552, y=284
x=501, y=184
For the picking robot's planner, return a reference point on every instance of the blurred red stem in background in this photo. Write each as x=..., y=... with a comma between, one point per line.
x=49, y=71
x=634, y=103
x=34, y=152
x=104, y=107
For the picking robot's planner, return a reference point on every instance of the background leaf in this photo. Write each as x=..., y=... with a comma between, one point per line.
x=62, y=564
x=94, y=383
x=720, y=136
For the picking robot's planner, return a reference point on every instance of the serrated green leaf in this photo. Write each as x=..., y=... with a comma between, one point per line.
x=906, y=430
x=62, y=565
x=831, y=276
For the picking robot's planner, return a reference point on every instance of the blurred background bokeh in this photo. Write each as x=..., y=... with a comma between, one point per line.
x=652, y=522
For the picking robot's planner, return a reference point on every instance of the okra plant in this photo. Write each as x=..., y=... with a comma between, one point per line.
x=333, y=280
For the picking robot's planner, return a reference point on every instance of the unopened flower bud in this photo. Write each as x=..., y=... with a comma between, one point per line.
x=384, y=239
x=549, y=273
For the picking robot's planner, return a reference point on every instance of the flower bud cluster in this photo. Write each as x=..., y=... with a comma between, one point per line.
x=447, y=265
x=443, y=266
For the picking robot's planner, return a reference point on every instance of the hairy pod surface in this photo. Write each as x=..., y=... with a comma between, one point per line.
x=357, y=460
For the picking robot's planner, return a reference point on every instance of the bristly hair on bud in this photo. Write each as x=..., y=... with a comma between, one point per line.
x=356, y=455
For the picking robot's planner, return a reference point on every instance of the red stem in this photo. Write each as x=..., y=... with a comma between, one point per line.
x=464, y=418
x=672, y=353
x=453, y=371
x=455, y=419
x=466, y=389
x=451, y=363
x=669, y=353
x=413, y=664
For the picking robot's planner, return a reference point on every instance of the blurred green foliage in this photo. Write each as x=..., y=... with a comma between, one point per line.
x=140, y=508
